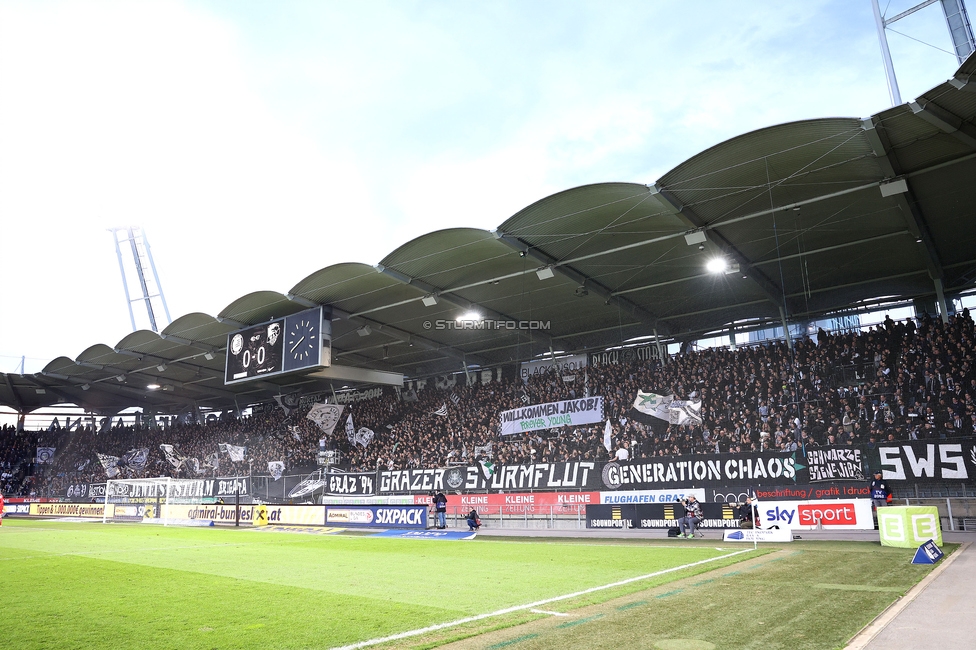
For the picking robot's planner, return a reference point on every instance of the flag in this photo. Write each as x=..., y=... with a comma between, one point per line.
x=364, y=436
x=464, y=450
x=442, y=411
x=135, y=458
x=325, y=416
x=654, y=405
x=109, y=464
x=455, y=399
x=607, y=432
x=194, y=465
x=212, y=460
x=45, y=455
x=288, y=402
x=685, y=412
x=296, y=433
x=525, y=398
x=236, y=453
x=487, y=469
x=173, y=455
x=350, y=430
x=276, y=468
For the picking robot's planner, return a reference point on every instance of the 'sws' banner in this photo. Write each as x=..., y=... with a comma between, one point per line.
x=923, y=462
x=573, y=412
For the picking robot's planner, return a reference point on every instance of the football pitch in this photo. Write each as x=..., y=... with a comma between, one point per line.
x=92, y=585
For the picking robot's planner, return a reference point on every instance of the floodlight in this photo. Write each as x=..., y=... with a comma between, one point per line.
x=716, y=265
x=696, y=237
x=545, y=273
x=209, y=356
x=430, y=300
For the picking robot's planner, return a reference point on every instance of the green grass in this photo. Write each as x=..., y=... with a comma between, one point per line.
x=88, y=585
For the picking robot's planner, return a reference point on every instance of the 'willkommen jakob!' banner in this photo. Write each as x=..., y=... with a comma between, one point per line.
x=573, y=412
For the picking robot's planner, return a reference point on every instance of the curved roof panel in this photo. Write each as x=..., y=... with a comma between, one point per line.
x=813, y=217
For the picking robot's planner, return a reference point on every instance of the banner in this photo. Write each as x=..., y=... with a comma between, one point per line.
x=358, y=395
x=624, y=355
x=925, y=462
x=534, y=503
x=236, y=453
x=350, y=484
x=834, y=464
x=44, y=455
x=350, y=430
x=325, y=416
x=575, y=412
x=560, y=366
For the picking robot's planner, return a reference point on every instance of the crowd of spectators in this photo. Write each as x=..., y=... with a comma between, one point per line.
x=898, y=381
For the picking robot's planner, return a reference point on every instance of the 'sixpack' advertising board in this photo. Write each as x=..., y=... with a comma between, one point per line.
x=376, y=516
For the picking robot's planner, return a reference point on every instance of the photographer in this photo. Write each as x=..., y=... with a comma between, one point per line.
x=693, y=516
x=474, y=521
x=747, y=514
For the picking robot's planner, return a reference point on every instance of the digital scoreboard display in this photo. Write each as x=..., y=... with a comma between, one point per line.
x=282, y=345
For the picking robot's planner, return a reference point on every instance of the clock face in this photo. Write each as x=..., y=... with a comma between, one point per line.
x=302, y=341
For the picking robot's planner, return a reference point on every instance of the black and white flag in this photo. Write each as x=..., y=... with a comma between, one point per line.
x=173, y=456
x=44, y=455
x=325, y=416
x=236, y=453
x=442, y=411
x=109, y=464
x=276, y=468
x=135, y=459
x=364, y=436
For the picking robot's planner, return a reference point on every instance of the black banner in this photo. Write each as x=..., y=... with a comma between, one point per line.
x=925, y=461
x=658, y=515
x=350, y=484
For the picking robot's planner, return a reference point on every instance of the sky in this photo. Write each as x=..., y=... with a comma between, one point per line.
x=257, y=142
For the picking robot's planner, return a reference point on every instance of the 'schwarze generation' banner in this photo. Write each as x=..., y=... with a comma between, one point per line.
x=574, y=412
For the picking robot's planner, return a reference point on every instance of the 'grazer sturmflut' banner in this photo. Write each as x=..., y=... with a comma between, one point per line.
x=664, y=473
x=573, y=412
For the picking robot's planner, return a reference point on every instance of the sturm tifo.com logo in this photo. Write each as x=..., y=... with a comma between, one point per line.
x=487, y=324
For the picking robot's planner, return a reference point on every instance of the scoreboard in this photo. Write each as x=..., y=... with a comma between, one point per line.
x=296, y=342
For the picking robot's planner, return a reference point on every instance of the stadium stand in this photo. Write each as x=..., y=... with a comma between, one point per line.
x=898, y=381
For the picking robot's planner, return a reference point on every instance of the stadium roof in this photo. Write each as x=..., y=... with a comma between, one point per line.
x=818, y=216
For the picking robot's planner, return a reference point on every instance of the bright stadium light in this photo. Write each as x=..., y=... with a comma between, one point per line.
x=469, y=315
x=716, y=265
x=153, y=386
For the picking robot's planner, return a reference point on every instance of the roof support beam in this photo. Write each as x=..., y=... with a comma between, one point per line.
x=457, y=301
x=583, y=280
x=404, y=336
x=772, y=290
x=945, y=121
x=13, y=393
x=908, y=204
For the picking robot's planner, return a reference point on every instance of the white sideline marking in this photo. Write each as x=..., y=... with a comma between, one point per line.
x=544, y=611
x=529, y=606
